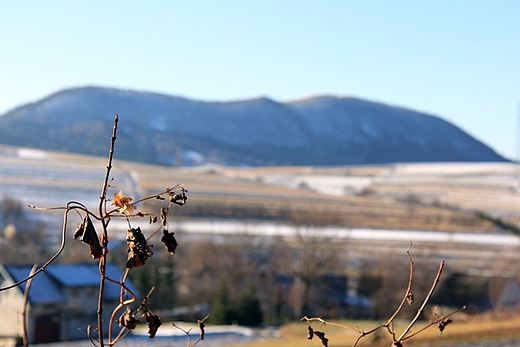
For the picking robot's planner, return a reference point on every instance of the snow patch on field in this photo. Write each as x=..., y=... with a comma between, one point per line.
x=29, y=153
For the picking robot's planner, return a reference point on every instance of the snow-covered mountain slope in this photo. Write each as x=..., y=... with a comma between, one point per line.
x=164, y=129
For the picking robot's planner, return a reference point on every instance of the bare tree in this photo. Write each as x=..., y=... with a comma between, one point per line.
x=312, y=254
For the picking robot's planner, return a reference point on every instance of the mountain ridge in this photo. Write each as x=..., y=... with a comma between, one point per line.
x=158, y=128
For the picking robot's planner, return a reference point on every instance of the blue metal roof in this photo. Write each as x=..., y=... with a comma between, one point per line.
x=43, y=288
x=47, y=287
x=75, y=275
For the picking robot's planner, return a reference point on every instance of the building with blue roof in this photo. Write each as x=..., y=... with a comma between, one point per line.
x=62, y=300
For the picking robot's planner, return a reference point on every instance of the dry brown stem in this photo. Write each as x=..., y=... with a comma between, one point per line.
x=200, y=323
x=425, y=301
x=24, y=310
x=124, y=208
x=408, y=297
x=104, y=235
x=67, y=208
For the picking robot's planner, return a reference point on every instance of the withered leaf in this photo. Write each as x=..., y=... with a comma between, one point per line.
x=201, y=329
x=179, y=199
x=310, y=332
x=201, y=324
x=169, y=241
x=128, y=320
x=138, y=250
x=323, y=339
x=87, y=234
x=442, y=325
x=154, y=322
x=410, y=298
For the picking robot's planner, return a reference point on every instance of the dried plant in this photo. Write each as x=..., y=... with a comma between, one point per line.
x=201, y=325
x=137, y=247
x=440, y=321
x=139, y=252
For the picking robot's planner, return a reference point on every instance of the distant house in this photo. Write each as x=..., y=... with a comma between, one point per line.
x=337, y=302
x=62, y=301
x=479, y=292
x=329, y=298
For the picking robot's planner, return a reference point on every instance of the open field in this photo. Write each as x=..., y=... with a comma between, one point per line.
x=428, y=196
x=474, y=331
x=392, y=196
x=481, y=331
x=441, y=198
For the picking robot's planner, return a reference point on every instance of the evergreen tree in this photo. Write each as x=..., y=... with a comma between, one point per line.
x=249, y=311
x=223, y=311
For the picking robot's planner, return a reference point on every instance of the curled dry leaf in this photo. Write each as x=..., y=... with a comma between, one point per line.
x=201, y=325
x=87, y=234
x=158, y=197
x=409, y=298
x=442, y=325
x=138, y=250
x=321, y=336
x=169, y=241
x=310, y=332
x=201, y=329
x=154, y=322
x=128, y=320
x=179, y=198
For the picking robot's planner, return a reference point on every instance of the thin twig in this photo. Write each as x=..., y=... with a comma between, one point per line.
x=187, y=332
x=408, y=296
x=90, y=337
x=122, y=302
x=51, y=259
x=433, y=322
x=324, y=322
x=146, y=299
x=167, y=190
x=184, y=331
x=104, y=235
x=388, y=322
x=122, y=334
x=24, y=307
x=154, y=232
x=399, y=308
x=408, y=289
x=426, y=299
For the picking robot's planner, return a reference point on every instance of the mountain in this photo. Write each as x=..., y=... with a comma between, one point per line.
x=156, y=128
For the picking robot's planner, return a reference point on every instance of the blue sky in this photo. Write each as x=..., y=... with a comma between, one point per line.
x=459, y=60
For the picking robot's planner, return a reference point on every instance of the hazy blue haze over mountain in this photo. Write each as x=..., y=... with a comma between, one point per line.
x=156, y=128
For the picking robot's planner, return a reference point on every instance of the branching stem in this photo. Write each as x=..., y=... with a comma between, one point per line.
x=104, y=234
x=426, y=299
x=408, y=296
